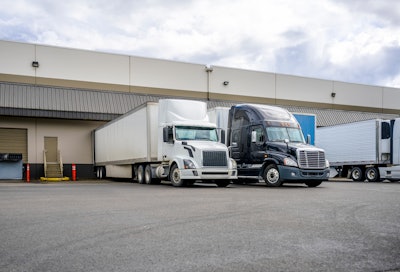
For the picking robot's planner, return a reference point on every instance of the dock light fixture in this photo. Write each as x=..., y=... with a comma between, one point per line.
x=35, y=64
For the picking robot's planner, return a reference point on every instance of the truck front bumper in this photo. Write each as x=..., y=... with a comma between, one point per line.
x=208, y=174
x=295, y=174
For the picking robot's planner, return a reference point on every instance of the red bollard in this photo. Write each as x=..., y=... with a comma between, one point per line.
x=73, y=172
x=28, y=173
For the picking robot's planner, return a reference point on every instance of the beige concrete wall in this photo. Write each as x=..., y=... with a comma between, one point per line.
x=16, y=58
x=74, y=137
x=80, y=65
x=171, y=75
x=391, y=98
x=359, y=95
x=303, y=89
x=103, y=71
x=242, y=82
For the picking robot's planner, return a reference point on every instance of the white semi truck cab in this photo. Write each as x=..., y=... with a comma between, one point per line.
x=190, y=149
x=169, y=140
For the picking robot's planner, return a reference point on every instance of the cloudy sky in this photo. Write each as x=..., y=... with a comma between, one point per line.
x=345, y=40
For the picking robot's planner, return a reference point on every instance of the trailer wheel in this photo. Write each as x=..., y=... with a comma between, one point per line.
x=222, y=183
x=372, y=174
x=271, y=176
x=357, y=174
x=140, y=174
x=175, y=177
x=147, y=174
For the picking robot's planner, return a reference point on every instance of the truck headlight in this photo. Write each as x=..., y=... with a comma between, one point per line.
x=234, y=164
x=289, y=162
x=188, y=164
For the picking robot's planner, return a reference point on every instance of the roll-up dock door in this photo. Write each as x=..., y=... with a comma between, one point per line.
x=13, y=151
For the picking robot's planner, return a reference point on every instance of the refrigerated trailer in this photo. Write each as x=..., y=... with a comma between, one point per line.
x=363, y=150
x=169, y=140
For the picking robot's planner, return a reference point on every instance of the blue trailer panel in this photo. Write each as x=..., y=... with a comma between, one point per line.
x=308, y=124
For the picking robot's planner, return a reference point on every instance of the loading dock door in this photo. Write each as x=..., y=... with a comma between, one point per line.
x=14, y=140
x=13, y=152
x=10, y=166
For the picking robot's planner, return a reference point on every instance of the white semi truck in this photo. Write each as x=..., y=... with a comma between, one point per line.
x=172, y=140
x=363, y=150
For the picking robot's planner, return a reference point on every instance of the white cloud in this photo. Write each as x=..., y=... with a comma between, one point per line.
x=395, y=81
x=340, y=40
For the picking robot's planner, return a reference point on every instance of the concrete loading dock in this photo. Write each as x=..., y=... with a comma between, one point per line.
x=72, y=92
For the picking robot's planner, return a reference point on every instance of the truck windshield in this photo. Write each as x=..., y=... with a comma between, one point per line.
x=184, y=133
x=279, y=134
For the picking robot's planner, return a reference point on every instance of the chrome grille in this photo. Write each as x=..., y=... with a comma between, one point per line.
x=214, y=158
x=311, y=159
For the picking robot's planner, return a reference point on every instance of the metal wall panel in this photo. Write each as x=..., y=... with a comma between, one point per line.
x=34, y=101
x=35, y=98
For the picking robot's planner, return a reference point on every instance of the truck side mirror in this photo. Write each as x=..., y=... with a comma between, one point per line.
x=286, y=141
x=308, y=139
x=254, y=136
x=168, y=136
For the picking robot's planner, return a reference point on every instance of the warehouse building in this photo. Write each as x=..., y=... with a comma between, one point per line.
x=52, y=98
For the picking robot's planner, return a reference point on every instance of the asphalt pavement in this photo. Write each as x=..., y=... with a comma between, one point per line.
x=123, y=226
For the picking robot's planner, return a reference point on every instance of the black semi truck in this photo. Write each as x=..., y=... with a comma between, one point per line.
x=267, y=144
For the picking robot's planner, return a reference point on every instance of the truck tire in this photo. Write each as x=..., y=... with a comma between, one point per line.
x=313, y=183
x=100, y=172
x=372, y=174
x=147, y=175
x=140, y=174
x=175, y=177
x=357, y=174
x=271, y=176
x=222, y=183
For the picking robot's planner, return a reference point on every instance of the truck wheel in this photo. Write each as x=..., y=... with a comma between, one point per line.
x=372, y=174
x=271, y=176
x=175, y=177
x=140, y=174
x=313, y=183
x=100, y=172
x=357, y=174
x=222, y=183
x=147, y=174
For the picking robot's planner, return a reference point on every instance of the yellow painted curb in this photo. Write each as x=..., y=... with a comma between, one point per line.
x=54, y=179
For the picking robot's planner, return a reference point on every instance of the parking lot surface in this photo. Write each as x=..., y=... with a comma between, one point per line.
x=123, y=226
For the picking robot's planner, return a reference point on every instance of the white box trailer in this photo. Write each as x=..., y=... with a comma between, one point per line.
x=219, y=116
x=363, y=150
x=171, y=140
